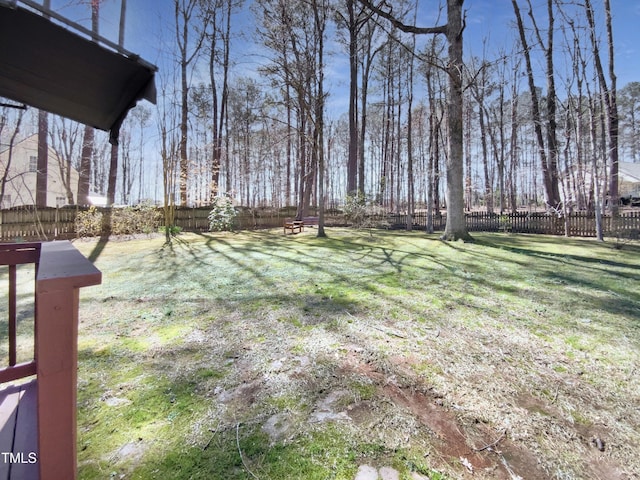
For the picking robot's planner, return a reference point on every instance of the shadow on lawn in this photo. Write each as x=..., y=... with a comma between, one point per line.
x=349, y=274
x=98, y=249
x=523, y=247
x=320, y=255
x=610, y=284
x=563, y=264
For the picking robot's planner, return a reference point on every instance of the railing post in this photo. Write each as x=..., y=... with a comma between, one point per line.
x=56, y=338
x=61, y=274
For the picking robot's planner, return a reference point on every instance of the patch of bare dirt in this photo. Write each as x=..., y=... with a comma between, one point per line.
x=471, y=447
x=131, y=453
x=244, y=394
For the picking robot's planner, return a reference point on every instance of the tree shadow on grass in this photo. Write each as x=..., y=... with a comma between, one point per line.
x=328, y=262
x=522, y=246
x=98, y=249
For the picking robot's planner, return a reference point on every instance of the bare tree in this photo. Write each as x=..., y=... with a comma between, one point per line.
x=113, y=163
x=456, y=227
x=43, y=148
x=609, y=95
x=169, y=145
x=629, y=102
x=435, y=87
x=320, y=11
x=12, y=140
x=185, y=11
x=140, y=116
x=295, y=46
x=354, y=19
x=218, y=19
x=480, y=88
x=367, y=56
x=64, y=137
x=547, y=150
x=43, y=159
x=127, y=178
x=410, y=162
x=84, y=181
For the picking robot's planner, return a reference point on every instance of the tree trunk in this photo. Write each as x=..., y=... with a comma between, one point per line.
x=410, y=175
x=552, y=141
x=183, y=18
x=219, y=103
x=84, y=175
x=113, y=175
x=320, y=24
x=43, y=159
x=352, y=158
x=113, y=163
x=456, y=227
x=612, y=114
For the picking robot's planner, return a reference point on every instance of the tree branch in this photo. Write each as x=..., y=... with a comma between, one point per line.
x=441, y=29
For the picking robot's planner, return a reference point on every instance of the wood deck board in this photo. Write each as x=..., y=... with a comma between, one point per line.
x=9, y=398
x=18, y=432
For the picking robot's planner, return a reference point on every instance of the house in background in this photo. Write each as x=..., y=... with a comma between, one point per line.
x=20, y=185
x=629, y=178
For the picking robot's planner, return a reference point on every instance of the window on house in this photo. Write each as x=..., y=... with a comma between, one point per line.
x=33, y=164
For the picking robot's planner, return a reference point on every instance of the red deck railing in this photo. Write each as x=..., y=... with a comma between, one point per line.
x=60, y=271
x=13, y=255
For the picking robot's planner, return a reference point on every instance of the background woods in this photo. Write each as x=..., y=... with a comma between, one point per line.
x=303, y=103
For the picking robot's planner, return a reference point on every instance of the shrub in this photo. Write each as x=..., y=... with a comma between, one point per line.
x=173, y=230
x=222, y=215
x=89, y=223
x=355, y=209
x=144, y=218
x=504, y=224
x=362, y=213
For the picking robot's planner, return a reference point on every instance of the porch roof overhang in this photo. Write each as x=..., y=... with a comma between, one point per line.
x=49, y=67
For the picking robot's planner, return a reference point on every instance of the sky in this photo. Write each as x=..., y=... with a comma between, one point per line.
x=490, y=29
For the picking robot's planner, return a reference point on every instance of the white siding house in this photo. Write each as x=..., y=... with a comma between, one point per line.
x=20, y=185
x=629, y=178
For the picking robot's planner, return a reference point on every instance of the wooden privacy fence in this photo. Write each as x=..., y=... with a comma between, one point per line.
x=59, y=223
x=29, y=223
x=197, y=219
x=580, y=224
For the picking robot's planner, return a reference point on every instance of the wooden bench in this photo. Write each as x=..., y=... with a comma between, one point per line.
x=310, y=221
x=294, y=226
x=297, y=226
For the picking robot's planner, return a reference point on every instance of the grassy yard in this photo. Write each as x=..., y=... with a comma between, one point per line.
x=260, y=356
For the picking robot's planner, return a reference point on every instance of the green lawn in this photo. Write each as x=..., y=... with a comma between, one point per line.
x=257, y=355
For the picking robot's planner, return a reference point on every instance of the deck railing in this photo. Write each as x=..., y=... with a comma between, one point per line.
x=13, y=255
x=60, y=271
